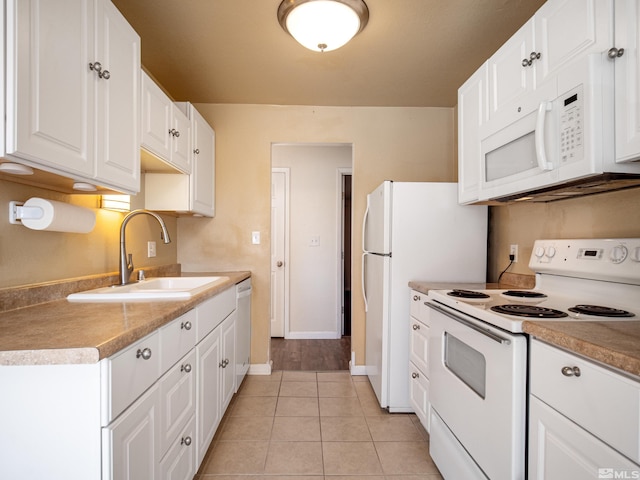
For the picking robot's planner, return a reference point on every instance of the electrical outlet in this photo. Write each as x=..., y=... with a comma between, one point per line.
x=315, y=241
x=151, y=249
x=513, y=250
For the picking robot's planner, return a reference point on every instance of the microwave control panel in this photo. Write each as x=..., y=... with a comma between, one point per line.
x=571, y=109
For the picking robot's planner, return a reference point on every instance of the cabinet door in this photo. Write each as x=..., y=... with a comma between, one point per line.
x=208, y=387
x=178, y=399
x=118, y=116
x=179, y=462
x=156, y=119
x=228, y=339
x=181, y=151
x=50, y=88
x=567, y=30
x=509, y=80
x=419, y=395
x=559, y=449
x=202, y=181
x=472, y=114
x=131, y=443
x=627, y=81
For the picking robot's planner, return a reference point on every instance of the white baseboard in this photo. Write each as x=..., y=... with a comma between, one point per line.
x=259, y=369
x=312, y=336
x=357, y=369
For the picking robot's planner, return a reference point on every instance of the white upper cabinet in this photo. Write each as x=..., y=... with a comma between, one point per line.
x=472, y=114
x=523, y=72
x=194, y=193
x=72, y=83
x=627, y=73
x=166, y=131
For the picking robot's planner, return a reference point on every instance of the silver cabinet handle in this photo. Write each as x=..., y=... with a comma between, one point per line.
x=527, y=62
x=185, y=325
x=224, y=363
x=185, y=441
x=197, y=151
x=615, y=52
x=96, y=67
x=571, y=371
x=416, y=298
x=186, y=368
x=416, y=327
x=415, y=375
x=279, y=264
x=145, y=353
x=172, y=132
x=106, y=75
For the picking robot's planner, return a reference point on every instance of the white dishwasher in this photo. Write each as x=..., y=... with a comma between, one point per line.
x=243, y=330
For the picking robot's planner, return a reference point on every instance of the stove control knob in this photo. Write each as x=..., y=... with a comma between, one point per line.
x=539, y=252
x=635, y=254
x=551, y=252
x=618, y=254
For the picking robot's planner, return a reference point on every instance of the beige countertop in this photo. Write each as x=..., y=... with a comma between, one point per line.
x=60, y=331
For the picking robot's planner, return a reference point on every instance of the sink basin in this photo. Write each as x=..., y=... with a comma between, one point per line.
x=160, y=288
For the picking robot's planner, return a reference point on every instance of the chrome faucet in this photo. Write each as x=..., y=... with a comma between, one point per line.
x=126, y=261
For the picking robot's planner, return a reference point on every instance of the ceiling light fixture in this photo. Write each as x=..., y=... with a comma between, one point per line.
x=323, y=25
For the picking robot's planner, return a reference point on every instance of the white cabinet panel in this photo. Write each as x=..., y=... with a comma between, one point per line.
x=179, y=462
x=627, y=72
x=228, y=346
x=419, y=395
x=208, y=409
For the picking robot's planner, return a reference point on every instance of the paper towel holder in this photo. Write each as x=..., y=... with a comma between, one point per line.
x=17, y=212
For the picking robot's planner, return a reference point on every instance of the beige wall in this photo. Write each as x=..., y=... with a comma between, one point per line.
x=31, y=256
x=403, y=144
x=608, y=215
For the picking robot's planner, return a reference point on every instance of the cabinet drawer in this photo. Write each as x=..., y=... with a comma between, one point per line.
x=212, y=312
x=178, y=399
x=418, y=308
x=127, y=374
x=419, y=342
x=176, y=339
x=180, y=461
x=601, y=401
x=419, y=394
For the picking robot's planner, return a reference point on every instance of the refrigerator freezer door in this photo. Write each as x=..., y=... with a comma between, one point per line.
x=377, y=273
x=376, y=228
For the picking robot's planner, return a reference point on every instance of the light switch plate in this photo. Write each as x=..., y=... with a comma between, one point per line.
x=255, y=238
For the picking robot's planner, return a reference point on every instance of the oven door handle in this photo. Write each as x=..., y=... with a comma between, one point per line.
x=485, y=332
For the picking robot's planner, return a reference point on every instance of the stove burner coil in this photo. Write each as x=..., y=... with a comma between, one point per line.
x=524, y=294
x=467, y=294
x=531, y=311
x=598, y=311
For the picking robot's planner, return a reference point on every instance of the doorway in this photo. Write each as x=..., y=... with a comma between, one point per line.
x=315, y=300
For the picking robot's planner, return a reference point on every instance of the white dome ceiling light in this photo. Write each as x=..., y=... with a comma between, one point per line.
x=323, y=25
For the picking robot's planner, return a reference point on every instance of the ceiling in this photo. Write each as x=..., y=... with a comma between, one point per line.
x=412, y=53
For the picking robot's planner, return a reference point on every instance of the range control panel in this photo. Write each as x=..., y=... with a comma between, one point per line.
x=613, y=259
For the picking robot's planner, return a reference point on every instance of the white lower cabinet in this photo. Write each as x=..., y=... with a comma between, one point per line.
x=418, y=356
x=584, y=419
x=208, y=401
x=179, y=463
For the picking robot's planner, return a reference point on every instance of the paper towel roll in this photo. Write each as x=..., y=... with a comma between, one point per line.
x=59, y=216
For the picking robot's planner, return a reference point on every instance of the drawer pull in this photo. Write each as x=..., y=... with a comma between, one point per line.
x=186, y=368
x=144, y=353
x=416, y=327
x=571, y=371
x=416, y=298
x=186, y=325
x=415, y=375
x=224, y=363
x=185, y=441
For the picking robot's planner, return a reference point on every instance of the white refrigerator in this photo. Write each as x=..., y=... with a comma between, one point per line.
x=412, y=231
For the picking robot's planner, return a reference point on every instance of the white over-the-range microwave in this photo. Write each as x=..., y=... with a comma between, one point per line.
x=562, y=143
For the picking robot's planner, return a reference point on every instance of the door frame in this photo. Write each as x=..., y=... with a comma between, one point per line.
x=285, y=304
x=340, y=173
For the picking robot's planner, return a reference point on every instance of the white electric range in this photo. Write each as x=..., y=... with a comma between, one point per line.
x=478, y=352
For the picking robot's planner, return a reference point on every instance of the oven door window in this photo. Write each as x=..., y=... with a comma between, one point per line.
x=466, y=363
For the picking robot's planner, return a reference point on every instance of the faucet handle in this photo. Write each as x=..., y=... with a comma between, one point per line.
x=130, y=263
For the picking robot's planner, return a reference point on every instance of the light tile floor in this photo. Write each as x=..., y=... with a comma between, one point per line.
x=315, y=426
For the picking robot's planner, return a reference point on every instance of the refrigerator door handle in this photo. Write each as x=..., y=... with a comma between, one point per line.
x=364, y=228
x=364, y=288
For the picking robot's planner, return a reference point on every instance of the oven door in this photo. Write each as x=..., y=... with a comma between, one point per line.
x=478, y=391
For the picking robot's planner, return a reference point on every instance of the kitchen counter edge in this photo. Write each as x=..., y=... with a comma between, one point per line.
x=63, y=332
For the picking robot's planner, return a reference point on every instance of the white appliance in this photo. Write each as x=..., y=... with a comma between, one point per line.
x=562, y=144
x=478, y=353
x=411, y=231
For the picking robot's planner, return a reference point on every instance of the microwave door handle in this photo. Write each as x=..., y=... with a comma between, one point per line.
x=540, y=150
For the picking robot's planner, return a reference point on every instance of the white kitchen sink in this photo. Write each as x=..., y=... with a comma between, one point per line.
x=160, y=288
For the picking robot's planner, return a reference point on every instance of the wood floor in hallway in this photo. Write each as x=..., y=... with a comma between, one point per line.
x=310, y=355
